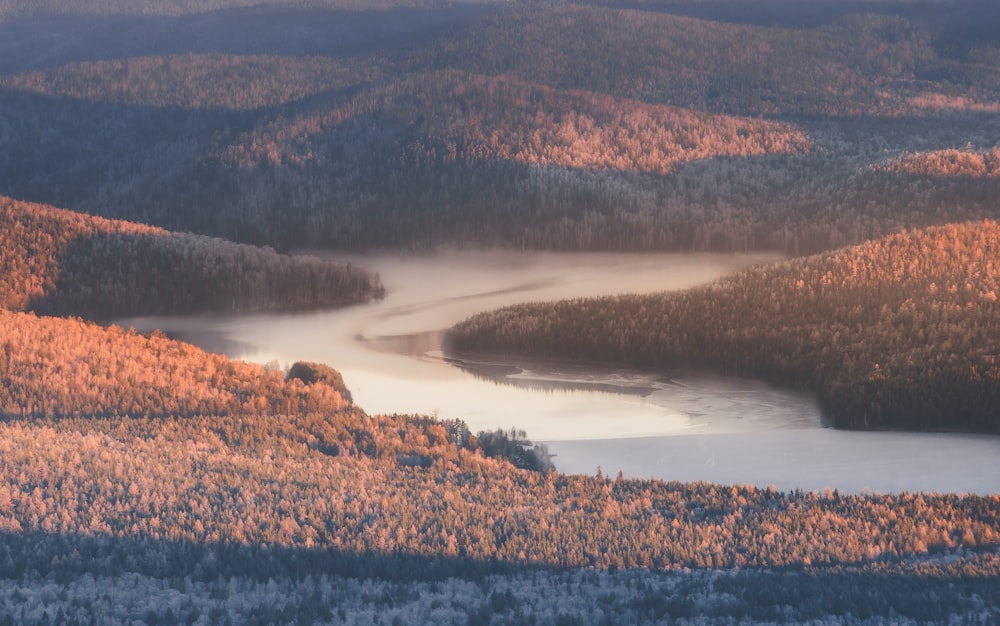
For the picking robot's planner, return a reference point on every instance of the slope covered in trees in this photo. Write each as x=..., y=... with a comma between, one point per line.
x=901, y=332
x=198, y=81
x=337, y=479
x=176, y=480
x=142, y=459
x=55, y=261
x=125, y=436
x=666, y=125
x=951, y=163
x=10, y=9
x=839, y=68
x=261, y=586
x=454, y=116
x=258, y=479
x=60, y=367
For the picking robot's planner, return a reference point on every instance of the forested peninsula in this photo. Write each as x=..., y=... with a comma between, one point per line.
x=899, y=333
x=58, y=262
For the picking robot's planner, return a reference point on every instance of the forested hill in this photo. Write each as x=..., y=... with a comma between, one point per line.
x=10, y=9
x=111, y=437
x=143, y=463
x=949, y=163
x=64, y=367
x=902, y=332
x=59, y=262
x=134, y=462
x=570, y=125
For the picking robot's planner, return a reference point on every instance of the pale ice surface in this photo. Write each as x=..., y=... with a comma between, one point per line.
x=674, y=426
x=813, y=460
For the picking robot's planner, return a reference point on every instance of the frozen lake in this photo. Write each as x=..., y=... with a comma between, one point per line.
x=670, y=425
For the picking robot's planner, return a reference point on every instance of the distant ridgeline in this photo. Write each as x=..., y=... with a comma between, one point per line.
x=899, y=333
x=54, y=261
x=667, y=125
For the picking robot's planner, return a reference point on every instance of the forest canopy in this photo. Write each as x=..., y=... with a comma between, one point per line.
x=145, y=480
x=54, y=261
x=554, y=125
x=901, y=332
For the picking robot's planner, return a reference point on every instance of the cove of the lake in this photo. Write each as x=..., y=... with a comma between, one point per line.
x=668, y=425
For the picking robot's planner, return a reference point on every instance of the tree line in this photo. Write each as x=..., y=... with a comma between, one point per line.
x=122, y=435
x=59, y=262
x=258, y=479
x=950, y=163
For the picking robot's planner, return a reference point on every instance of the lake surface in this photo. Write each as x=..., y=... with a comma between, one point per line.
x=670, y=425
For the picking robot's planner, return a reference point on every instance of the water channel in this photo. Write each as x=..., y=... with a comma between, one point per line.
x=668, y=425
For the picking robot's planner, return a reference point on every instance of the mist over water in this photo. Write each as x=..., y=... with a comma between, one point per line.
x=670, y=425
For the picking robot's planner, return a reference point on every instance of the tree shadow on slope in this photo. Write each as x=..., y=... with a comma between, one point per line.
x=75, y=575
x=278, y=31
x=110, y=275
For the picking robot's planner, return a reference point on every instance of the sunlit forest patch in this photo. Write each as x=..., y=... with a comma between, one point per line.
x=950, y=162
x=458, y=117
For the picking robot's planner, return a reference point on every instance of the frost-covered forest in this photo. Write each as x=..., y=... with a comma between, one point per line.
x=59, y=262
x=188, y=484
x=662, y=126
x=899, y=332
x=189, y=143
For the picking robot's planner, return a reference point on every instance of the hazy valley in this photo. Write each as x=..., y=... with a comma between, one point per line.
x=831, y=168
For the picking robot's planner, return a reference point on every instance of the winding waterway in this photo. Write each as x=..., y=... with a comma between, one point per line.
x=669, y=425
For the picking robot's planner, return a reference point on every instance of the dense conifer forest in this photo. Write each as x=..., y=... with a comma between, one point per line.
x=139, y=462
x=143, y=480
x=54, y=261
x=561, y=125
x=291, y=486
x=901, y=332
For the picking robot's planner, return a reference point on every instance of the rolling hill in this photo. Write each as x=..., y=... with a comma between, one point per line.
x=55, y=261
x=414, y=126
x=143, y=480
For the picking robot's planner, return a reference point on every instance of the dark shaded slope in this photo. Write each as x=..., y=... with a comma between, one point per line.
x=55, y=261
x=902, y=332
x=167, y=581
x=200, y=81
x=49, y=39
x=542, y=125
x=855, y=65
